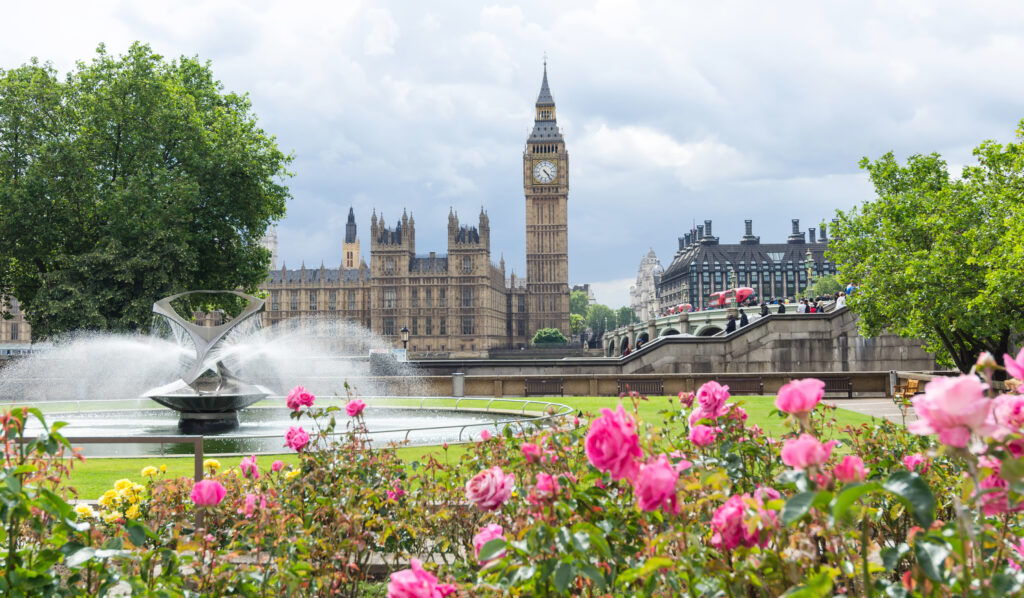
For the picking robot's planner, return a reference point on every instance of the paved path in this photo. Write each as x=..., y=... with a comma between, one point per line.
x=875, y=406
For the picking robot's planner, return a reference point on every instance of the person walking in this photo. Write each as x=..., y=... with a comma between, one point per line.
x=730, y=325
x=743, y=319
x=764, y=309
x=841, y=301
x=782, y=307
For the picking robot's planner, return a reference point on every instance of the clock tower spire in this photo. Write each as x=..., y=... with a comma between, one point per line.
x=546, y=187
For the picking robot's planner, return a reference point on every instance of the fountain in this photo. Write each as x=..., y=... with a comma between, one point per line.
x=207, y=396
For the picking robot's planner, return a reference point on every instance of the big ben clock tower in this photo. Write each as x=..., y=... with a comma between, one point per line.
x=546, y=186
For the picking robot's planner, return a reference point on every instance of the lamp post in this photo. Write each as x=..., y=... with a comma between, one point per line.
x=808, y=263
x=405, y=336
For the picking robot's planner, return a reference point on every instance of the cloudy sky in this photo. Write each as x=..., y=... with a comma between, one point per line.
x=673, y=112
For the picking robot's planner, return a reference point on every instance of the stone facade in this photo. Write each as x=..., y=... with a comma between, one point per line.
x=703, y=266
x=643, y=296
x=14, y=332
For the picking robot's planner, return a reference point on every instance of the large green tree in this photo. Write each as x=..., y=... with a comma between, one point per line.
x=624, y=315
x=132, y=178
x=938, y=257
x=578, y=303
x=600, y=318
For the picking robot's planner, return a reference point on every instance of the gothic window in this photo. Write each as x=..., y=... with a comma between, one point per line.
x=389, y=265
x=275, y=300
x=14, y=331
x=390, y=297
x=522, y=303
x=444, y=327
x=467, y=264
x=467, y=325
x=349, y=262
x=426, y=299
x=442, y=300
x=389, y=327
x=351, y=299
x=415, y=326
x=467, y=297
x=312, y=300
x=415, y=299
x=294, y=301
x=332, y=300
x=520, y=328
x=430, y=327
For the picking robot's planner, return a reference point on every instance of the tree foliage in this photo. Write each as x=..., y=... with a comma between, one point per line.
x=825, y=285
x=624, y=316
x=578, y=303
x=600, y=318
x=549, y=336
x=940, y=258
x=133, y=178
x=577, y=323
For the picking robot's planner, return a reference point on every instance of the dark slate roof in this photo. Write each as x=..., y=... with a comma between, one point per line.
x=467, y=234
x=313, y=276
x=350, y=227
x=734, y=254
x=544, y=98
x=429, y=264
x=545, y=131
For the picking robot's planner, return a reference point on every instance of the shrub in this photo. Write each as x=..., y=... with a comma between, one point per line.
x=549, y=336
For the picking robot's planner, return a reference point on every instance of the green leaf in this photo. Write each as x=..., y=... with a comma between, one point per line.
x=79, y=556
x=597, y=538
x=651, y=565
x=492, y=549
x=593, y=574
x=915, y=493
x=931, y=556
x=891, y=556
x=819, y=586
x=848, y=496
x=799, y=504
x=564, y=574
x=136, y=533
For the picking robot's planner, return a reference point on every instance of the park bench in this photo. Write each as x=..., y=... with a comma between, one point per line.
x=544, y=387
x=903, y=392
x=836, y=384
x=744, y=386
x=644, y=387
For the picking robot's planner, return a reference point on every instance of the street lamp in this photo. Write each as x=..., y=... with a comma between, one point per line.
x=808, y=263
x=405, y=336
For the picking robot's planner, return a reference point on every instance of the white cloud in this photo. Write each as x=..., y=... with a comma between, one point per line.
x=382, y=34
x=613, y=293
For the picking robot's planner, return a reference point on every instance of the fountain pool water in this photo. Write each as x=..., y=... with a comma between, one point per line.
x=104, y=375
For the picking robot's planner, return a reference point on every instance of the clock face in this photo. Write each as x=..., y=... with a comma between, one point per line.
x=544, y=171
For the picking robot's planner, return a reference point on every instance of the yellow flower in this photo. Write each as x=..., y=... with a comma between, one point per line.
x=108, y=498
x=132, y=512
x=149, y=471
x=122, y=484
x=211, y=464
x=138, y=488
x=84, y=511
x=294, y=473
x=110, y=516
x=163, y=469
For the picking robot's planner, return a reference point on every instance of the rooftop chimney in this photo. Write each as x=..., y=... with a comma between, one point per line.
x=797, y=236
x=749, y=226
x=683, y=241
x=700, y=231
x=796, y=225
x=810, y=234
x=749, y=238
x=707, y=228
x=824, y=239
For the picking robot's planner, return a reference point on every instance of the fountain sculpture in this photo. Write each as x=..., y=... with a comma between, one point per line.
x=207, y=396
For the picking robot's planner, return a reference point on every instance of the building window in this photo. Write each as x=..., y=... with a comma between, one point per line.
x=426, y=298
x=390, y=298
x=389, y=265
x=332, y=300
x=415, y=299
x=349, y=262
x=389, y=327
x=275, y=300
x=430, y=327
x=467, y=325
x=442, y=299
x=467, y=264
x=294, y=301
x=415, y=326
x=14, y=331
x=351, y=299
x=312, y=300
x=520, y=328
x=444, y=327
x=521, y=300
x=467, y=297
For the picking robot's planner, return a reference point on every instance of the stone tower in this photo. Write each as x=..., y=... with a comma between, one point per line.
x=350, y=248
x=546, y=186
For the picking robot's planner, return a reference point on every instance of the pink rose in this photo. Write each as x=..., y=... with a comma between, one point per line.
x=487, y=533
x=1014, y=365
x=354, y=407
x=298, y=398
x=296, y=438
x=250, y=505
x=731, y=529
x=546, y=489
x=850, y=469
x=737, y=413
x=765, y=493
x=702, y=435
x=916, y=462
x=953, y=408
x=249, y=467
x=995, y=501
x=490, y=488
x=711, y=398
x=686, y=399
x=485, y=435
x=416, y=583
x=986, y=361
x=806, y=451
x=208, y=493
x=800, y=396
x=612, y=444
x=656, y=486
x=531, y=451
x=277, y=466
x=1007, y=415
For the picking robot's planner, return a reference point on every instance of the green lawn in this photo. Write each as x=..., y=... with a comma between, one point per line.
x=95, y=476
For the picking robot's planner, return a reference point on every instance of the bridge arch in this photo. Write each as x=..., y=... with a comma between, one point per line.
x=609, y=348
x=708, y=330
x=668, y=332
x=643, y=336
x=623, y=344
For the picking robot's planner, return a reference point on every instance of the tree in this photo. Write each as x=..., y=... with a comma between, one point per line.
x=131, y=179
x=578, y=303
x=624, y=316
x=549, y=336
x=600, y=318
x=940, y=258
x=576, y=323
x=825, y=285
